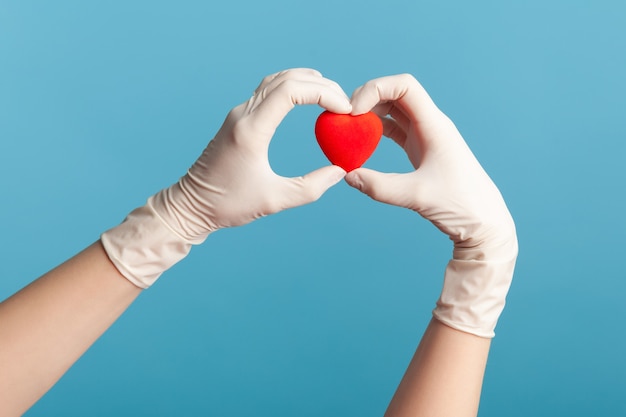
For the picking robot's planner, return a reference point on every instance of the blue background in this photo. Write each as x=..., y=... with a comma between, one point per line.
x=317, y=310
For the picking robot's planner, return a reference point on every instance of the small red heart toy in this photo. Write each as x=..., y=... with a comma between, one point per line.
x=346, y=140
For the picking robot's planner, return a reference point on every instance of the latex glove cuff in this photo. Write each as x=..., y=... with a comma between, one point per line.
x=475, y=287
x=142, y=247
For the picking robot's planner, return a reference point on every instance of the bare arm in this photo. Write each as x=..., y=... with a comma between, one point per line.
x=444, y=377
x=48, y=325
x=449, y=188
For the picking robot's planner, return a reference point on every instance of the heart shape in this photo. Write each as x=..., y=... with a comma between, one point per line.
x=346, y=140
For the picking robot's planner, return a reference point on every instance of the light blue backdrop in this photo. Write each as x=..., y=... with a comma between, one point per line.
x=317, y=310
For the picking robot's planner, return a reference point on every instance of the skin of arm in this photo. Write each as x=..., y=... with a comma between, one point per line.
x=49, y=324
x=444, y=377
x=42, y=341
x=449, y=188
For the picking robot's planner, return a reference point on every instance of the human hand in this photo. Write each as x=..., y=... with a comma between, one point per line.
x=449, y=188
x=230, y=184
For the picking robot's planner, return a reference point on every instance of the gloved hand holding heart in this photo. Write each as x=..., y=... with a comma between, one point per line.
x=347, y=140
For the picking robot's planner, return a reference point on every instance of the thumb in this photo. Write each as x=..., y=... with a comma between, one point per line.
x=311, y=186
x=390, y=188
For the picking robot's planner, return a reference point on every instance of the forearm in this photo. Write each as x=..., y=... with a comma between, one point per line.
x=445, y=376
x=450, y=189
x=48, y=325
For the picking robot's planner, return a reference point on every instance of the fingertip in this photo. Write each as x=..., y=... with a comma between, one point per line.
x=335, y=103
x=314, y=72
x=303, y=70
x=360, y=177
x=341, y=173
x=330, y=175
x=357, y=111
x=360, y=107
x=335, y=173
x=316, y=183
x=354, y=180
x=373, y=183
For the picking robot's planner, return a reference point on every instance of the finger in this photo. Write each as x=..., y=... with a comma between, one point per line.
x=270, y=78
x=389, y=108
x=400, y=117
x=393, y=130
x=383, y=109
x=405, y=89
x=389, y=188
x=273, y=109
x=310, y=187
x=393, y=127
x=300, y=74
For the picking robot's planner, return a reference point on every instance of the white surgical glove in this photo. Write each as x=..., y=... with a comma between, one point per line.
x=449, y=188
x=231, y=184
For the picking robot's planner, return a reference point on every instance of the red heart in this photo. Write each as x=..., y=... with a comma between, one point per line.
x=346, y=140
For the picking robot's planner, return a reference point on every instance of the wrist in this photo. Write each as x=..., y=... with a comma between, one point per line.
x=498, y=248
x=476, y=284
x=180, y=212
x=143, y=246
